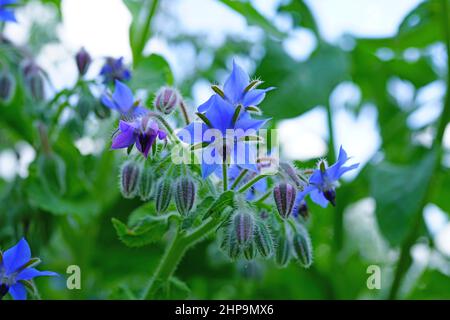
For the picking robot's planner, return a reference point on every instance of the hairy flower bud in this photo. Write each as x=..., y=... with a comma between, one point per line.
x=250, y=251
x=301, y=244
x=7, y=86
x=283, y=250
x=284, y=195
x=263, y=240
x=34, y=80
x=163, y=195
x=83, y=60
x=167, y=99
x=129, y=179
x=185, y=190
x=145, y=186
x=230, y=246
x=243, y=227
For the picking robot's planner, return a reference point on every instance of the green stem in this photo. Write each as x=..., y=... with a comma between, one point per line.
x=239, y=178
x=251, y=182
x=225, y=176
x=145, y=33
x=405, y=259
x=184, y=111
x=180, y=243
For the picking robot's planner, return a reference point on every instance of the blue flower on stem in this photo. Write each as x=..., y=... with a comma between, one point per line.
x=324, y=180
x=122, y=100
x=223, y=132
x=6, y=12
x=259, y=188
x=115, y=69
x=238, y=90
x=142, y=131
x=16, y=267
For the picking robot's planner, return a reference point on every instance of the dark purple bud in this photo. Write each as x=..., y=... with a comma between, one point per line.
x=284, y=195
x=34, y=80
x=301, y=243
x=83, y=60
x=243, y=226
x=263, y=240
x=129, y=179
x=185, y=191
x=330, y=195
x=7, y=86
x=167, y=99
x=3, y=290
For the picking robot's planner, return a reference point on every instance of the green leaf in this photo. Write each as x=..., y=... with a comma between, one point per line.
x=153, y=73
x=300, y=86
x=146, y=230
x=225, y=200
x=399, y=193
x=253, y=16
x=301, y=14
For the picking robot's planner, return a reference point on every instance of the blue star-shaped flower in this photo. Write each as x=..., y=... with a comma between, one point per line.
x=122, y=100
x=7, y=13
x=324, y=180
x=16, y=266
x=238, y=91
x=115, y=69
x=223, y=131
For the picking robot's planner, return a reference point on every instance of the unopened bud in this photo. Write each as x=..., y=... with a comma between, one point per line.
x=34, y=80
x=250, y=251
x=231, y=246
x=129, y=179
x=167, y=99
x=146, y=184
x=86, y=104
x=243, y=227
x=163, y=195
x=301, y=210
x=83, y=60
x=7, y=86
x=263, y=240
x=185, y=191
x=284, y=195
x=283, y=250
x=301, y=244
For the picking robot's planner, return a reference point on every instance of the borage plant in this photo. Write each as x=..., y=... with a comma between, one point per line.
x=223, y=172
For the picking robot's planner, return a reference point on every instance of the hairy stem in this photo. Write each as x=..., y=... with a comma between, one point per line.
x=405, y=259
x=225, y=176
x=239, y=178
x=251, y=183
x=184, y=112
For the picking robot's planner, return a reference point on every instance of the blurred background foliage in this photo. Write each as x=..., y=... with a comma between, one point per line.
x=379, y=218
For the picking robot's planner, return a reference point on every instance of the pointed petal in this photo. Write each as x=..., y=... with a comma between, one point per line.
x=107, y=102
x=123, y=96
x=18, y=291
x=31, y=273
x=235, y=84
x=221, y=114
x=193, y=133
x=254, y=97
x=17, y=256
x=206, y=105
x=125, y=138
x=245, y=122
x=319, y=198
x=343, y=170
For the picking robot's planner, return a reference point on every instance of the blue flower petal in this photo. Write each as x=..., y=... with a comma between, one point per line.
x=30, y=273
x=220, y=115
x=126, y=136
x=319, y=198
x=108, y=102
x=245, y=122
x=208, y=169
x=18, y=291
x=206, y=105
x=235, y=84
x=123, y=97
x=255, y=96
x=17, y=256
x=7, y=15
x=193, y=133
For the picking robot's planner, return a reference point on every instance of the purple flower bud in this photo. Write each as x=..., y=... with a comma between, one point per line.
x=167, y=99
x=185, y=191
x=230, y=246
x=34, y=80
x=129, y=179
x=330, y=195
x=7, y=86
x=243, y=227
x=250, y=251
x=263, y=240
x=163, y=195
x=83, y=60
x=284, y=195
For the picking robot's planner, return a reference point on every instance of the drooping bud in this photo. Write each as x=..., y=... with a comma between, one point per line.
x=146, y=181
x=301, y=244
x=301, y=210
x=284, y=195
x=163, y=195
x=230, y=246
x=330, y=195
x=83, y=59
x=263, y=240
x=185, y=191
x=7, y=86
x=167, y=99
x=250, y=251
x=283, y=250
x=243, y=227
x=34, y=80
x=129, y=179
